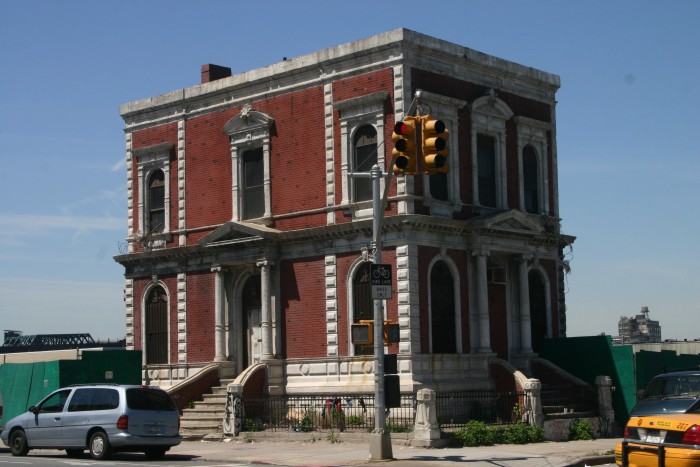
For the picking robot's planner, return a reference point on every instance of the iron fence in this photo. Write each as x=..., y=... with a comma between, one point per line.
x=455, y=409
x=316, y=413
x=569, y=399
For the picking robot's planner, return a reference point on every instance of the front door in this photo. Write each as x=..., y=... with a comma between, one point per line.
x=250, y=332
x=253, y=336
x=44, y=428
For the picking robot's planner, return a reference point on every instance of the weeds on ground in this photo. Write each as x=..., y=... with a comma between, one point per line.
x=333, y=438
x=476, y=433
x=580, y=429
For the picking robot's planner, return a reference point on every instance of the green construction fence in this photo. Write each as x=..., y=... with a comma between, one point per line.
x=24, y=384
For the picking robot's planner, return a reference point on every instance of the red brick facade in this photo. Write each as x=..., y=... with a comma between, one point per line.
x=283, y=286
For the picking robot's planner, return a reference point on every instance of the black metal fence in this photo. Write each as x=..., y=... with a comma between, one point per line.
x=569, y=399
x=315, y=413
x=454, y=409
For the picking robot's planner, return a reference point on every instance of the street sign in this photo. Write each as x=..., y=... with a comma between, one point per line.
x=380, y=278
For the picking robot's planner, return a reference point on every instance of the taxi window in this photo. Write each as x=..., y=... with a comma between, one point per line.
x=689, y=385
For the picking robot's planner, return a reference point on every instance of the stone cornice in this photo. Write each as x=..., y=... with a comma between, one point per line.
x=380, y=51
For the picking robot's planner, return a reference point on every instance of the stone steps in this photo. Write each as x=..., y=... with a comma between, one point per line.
x=207, y=415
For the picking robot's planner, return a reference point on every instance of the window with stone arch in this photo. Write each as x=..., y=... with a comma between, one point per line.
x=442, y=190
x=362, y=302
x=362, y=125
x=533, y=137
x=155, y=327
x=156, y=201
x=153, y=166
x=249, y=134
x=443, y=335
x=531, y=184
x=364, y=157
x=488, y=135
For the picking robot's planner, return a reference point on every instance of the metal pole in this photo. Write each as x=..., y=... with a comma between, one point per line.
x=380, y=446
x=380, y=417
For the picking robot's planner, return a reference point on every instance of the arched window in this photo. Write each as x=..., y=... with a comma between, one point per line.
x=530, y=180
x=363, y=305
x=538, y=309
x=442, y=309
x=364, y=158
x=253, y=188
x=156, y=328
x=156, y=201
x=486, y=154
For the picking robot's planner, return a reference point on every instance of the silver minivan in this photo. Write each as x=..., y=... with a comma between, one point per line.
x=102, y=418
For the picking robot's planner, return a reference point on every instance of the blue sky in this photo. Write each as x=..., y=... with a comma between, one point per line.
x=627, y=130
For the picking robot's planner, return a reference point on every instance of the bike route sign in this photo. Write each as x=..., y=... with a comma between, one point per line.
x=380, y=275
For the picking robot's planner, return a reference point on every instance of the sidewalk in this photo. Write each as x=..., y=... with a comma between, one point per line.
x=319, y=452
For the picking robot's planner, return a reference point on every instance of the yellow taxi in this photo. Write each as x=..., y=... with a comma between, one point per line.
x=665, y=440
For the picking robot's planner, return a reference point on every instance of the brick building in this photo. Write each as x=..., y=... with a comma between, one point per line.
x=248, y=242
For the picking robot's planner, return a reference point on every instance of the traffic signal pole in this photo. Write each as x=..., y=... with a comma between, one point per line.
x=380, y=438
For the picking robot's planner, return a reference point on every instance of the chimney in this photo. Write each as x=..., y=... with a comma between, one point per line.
x=212, y=72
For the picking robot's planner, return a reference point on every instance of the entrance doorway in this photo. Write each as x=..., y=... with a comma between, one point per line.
x=252, y=333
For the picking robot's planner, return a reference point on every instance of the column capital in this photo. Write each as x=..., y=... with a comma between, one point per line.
x=261, y=263
x=217, y=268
x=480, y=251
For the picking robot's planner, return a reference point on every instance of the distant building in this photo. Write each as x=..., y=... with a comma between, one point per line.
x=638, y=329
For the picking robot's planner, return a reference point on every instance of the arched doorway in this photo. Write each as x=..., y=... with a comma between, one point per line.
x=538, y=309
x=442, y=309
x=252, y=334
x=156, y=326
x=362, y=303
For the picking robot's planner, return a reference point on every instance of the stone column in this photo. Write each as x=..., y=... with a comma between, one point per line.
x=426, y=431
x=525, y=321
x=605, y=407
x=533, y=403
x=265, y=315
x=219, y=315
x=482, y=298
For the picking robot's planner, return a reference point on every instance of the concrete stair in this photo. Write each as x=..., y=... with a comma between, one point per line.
x=207, y=415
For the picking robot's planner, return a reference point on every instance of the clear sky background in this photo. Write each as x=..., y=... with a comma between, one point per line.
x=627, y=127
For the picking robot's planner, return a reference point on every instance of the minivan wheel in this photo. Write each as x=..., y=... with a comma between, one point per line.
x=155, y=453
x=18, y=443
x=99, y=446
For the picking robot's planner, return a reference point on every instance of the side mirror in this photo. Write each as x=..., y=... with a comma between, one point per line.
x=641, y=394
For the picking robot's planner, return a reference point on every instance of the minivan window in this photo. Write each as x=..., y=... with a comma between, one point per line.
x=55, y=402
x=148, y=399
x=85, y=399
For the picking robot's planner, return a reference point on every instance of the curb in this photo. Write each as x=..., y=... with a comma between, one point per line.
x=594, y=460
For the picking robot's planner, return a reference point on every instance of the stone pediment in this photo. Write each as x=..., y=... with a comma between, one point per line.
x=238, y=232
x=513, y=221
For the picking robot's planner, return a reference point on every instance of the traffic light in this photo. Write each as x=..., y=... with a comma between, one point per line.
x=404, y=151
x=362, y=333
x=434, y=145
